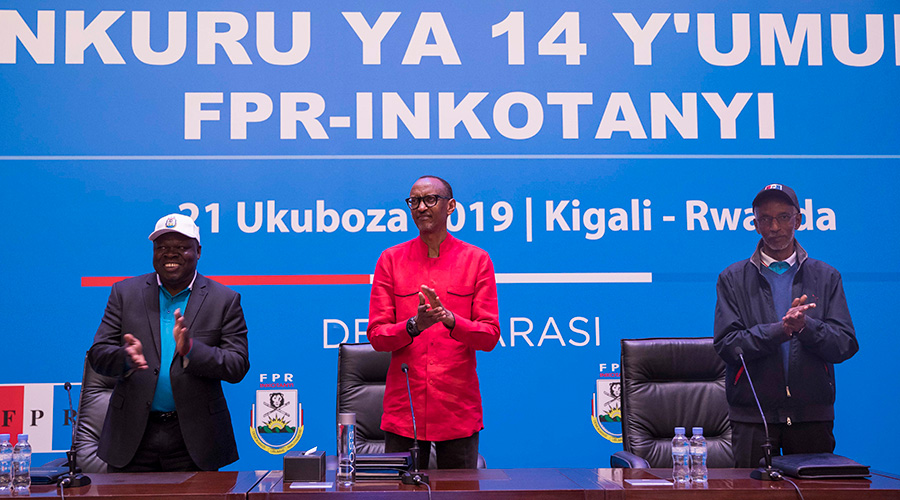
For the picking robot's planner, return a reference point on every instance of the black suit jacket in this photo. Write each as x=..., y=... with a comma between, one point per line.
x=214, y=317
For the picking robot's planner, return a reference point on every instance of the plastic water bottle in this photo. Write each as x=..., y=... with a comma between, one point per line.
x=698, y=456
x=681, y=460
x=346, y=442
x=6, y=457
x=22, y=466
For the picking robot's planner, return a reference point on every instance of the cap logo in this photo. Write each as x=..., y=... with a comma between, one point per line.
x=170, y=222
x=774, y=186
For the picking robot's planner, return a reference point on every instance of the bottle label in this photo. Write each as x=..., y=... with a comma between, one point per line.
x=352, y=442
x=347, y=453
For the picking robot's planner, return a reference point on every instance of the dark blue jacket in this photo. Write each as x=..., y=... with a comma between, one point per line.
x=746, y=318
x=219, y=352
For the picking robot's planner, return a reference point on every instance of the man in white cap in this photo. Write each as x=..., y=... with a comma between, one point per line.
x=167, y=411
x=787, y=314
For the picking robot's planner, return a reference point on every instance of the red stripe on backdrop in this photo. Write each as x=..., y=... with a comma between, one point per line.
x=101, y=280
x=295, y=279
x=289, y=279
x=12, y=410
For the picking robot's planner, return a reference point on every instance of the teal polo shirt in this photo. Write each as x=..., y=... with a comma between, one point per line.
x=163, y=400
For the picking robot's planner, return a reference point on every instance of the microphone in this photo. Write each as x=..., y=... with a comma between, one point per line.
x=72, y=479
x=414, y=476
x=768, y=473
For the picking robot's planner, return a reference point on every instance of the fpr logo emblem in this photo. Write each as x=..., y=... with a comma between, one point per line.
x=276, y=420
x=606, y=405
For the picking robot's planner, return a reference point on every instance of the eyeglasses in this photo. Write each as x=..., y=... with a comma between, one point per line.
x=429, y=199
x=765, y=220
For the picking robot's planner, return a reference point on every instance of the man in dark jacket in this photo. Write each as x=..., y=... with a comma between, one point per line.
x=788, y=315
x=171, y=338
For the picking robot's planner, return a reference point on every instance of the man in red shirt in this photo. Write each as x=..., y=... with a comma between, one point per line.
x=433, y=304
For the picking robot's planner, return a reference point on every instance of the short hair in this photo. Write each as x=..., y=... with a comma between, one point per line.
x=447, y=189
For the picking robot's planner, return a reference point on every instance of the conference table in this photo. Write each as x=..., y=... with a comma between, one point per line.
x=492, y=484
x=167, y=485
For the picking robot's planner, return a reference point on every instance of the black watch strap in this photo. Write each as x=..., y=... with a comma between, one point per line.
x=411, y=328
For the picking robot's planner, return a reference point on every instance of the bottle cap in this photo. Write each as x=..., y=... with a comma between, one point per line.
x=347, y=418
x=698, y=431
x=23, y=437
x=679, y=430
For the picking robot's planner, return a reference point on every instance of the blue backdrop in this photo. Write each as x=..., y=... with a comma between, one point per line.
x=579, y=137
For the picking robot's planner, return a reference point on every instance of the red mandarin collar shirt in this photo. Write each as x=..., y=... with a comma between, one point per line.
x=441, y=362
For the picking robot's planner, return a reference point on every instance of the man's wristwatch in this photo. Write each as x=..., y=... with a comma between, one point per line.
x=411, y=328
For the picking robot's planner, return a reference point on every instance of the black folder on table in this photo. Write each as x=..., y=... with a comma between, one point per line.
x=382, y=466
x=819, y=466
x=48, y=474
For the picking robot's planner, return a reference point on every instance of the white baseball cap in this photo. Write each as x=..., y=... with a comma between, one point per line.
x=176, y=223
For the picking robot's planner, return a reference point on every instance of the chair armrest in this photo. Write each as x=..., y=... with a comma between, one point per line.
x=626, y=460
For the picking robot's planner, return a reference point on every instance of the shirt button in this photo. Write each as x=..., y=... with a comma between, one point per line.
x=430, y=382
x=148, y=404
x=156, y=371
x=431, y=362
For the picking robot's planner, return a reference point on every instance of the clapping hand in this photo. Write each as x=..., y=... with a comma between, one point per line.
x=432, y=311
x=795, y=319
x=182, y=334
x=135, y=352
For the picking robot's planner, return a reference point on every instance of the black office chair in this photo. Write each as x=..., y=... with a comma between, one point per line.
x=362, y=372
x=95, y=392
x=668, y=383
